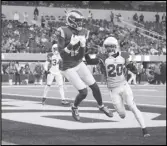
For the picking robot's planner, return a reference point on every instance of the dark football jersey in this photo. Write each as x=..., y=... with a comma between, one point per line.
x=76, y=55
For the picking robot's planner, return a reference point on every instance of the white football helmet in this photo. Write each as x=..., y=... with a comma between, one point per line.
x=74, y=19
x=55, y=49
x=111, y=45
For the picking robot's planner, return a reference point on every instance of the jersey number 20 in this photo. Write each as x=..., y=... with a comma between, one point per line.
x=115, y=70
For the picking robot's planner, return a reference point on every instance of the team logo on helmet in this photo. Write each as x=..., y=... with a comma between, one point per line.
x=74, y=19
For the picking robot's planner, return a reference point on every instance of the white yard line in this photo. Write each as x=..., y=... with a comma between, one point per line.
x=34, y=96
x=104, y=93
x=8, y=143
x=17, y=86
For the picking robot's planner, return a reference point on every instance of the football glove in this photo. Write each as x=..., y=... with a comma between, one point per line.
x=82, y=40
x=74, y=40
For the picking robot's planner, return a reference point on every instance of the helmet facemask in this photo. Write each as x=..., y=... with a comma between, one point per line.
x=111, y=49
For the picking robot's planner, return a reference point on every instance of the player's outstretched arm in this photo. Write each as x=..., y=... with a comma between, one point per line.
x=90, y=61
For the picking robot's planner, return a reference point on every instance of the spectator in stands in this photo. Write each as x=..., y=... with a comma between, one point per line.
x=135, y=17
x=141, y=18
x=42, y=21
x=112, y=17
x=16, y=16
x=90, y=15
x=153, y=51
x=132, y=71
x=17, y=46
x=164, y=18
x=38, y=73
x=164, y=50
x=17, y=73
x=11, y=71
x=25, y=15
x=140, y=71
x=27, y=73
x=150, y=75
x=36, y=13
x=157, y=18
x=31, y=44
x=157, y=73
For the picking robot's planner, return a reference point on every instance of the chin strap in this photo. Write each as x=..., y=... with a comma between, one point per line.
x=115, y=55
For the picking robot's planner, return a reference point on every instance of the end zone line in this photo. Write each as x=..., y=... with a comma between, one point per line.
x=8, y=143
x=104, y=93
x=35, y=96
x=8, y=86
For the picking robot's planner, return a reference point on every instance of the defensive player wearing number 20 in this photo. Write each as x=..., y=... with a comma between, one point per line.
x=119, y=89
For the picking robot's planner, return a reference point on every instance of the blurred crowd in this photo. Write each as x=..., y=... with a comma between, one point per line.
x=21, y=37
x=158, y=26
x=118, y=5
x=20, y=73
x=136, y=73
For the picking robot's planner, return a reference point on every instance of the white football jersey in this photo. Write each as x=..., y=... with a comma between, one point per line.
x=115, y=71
x=53, y=64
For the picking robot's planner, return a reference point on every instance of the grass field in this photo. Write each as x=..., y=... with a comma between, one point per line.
x=26, y=121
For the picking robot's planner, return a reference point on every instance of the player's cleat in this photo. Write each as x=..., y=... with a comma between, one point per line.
x=65, y=102
x=43, y=101
x=145, y=132
x=106, y=111
x=75, y=113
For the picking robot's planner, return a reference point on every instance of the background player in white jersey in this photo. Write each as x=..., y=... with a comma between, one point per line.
x=119, y=89
x=53, y=72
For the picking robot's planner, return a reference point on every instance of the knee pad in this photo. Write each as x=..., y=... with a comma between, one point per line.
x=83, y=93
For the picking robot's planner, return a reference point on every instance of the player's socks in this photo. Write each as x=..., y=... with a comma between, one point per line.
x=75, y=113
x=96, y=93
x=138, y=115
x=81, y=96
x=61, y=90
x=47, y=87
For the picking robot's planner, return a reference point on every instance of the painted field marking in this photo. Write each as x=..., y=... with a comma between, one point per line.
x=35, y=96
x=104, y=93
